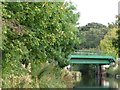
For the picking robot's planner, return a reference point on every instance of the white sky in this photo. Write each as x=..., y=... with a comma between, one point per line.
x=100, y=11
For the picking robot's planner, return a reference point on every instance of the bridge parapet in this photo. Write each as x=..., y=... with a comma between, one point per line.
x=91, y=57
x=91, y=52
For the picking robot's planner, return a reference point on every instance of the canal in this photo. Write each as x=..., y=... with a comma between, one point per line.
x=105, y=82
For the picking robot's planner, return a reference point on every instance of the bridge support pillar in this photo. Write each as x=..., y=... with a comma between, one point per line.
x=99, y=73
x=99, y=70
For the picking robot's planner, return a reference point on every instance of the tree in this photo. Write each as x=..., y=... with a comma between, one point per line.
x=38, y=32
x=92, y=34
x=118, y=32
x=107, y=43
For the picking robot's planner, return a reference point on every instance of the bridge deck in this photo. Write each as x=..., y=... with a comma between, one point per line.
x=91, y=59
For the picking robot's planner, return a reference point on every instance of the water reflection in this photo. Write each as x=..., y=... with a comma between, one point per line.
x=98, y=82
x=105, y=83
x=110, y=82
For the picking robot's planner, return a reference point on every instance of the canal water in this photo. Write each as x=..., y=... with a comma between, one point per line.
x=87, y=82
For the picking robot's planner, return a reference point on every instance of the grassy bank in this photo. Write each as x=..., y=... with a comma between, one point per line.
x=48, y=75
x=113, y=70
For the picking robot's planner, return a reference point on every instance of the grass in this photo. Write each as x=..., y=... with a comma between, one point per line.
x=48, y=76
x=43, y=75
x=113, y=70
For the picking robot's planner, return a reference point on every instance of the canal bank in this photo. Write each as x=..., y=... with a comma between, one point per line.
x=114, y=71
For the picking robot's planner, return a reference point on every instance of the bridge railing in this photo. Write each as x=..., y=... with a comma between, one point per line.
x=91, y=52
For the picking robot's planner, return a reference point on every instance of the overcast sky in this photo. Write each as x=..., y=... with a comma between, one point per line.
x=100, y=11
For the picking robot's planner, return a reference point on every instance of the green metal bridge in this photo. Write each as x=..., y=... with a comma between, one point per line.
x=91, y=57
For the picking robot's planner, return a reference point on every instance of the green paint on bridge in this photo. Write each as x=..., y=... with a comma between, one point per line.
x=84, y=57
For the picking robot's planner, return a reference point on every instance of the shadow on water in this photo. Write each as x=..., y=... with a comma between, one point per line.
x=104, y=83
